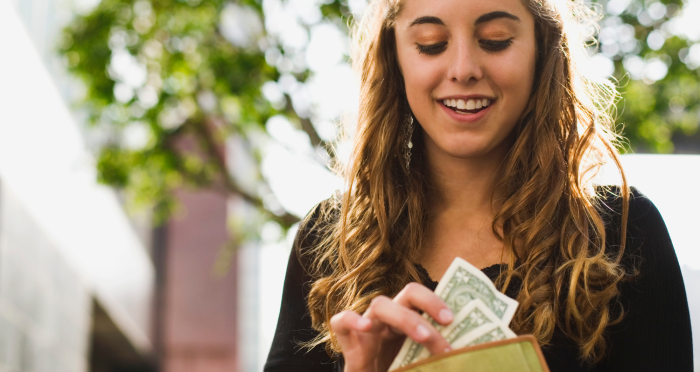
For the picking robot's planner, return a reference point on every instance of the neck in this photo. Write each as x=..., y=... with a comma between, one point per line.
x=463, y=203
x=465, y=186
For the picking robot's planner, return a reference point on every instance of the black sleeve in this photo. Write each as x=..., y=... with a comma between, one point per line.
x=294, y=323
x=655, y=334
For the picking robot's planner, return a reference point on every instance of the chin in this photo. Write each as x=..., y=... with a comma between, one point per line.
x=475, y=150
x=467, y=151
x=471, y=155
x=470, y=146
x=476, y=146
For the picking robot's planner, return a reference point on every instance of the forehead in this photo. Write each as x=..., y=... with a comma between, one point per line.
x=454, y=13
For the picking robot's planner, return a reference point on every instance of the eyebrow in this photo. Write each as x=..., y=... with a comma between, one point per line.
x=483, y=19
x=427, y=20
x=495, y=15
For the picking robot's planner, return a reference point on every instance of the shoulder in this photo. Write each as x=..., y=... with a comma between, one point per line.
x=642, y=212
x=648, y=247
x=316, y=223
x=316, y=226
x=655, y=331
x=611, y=197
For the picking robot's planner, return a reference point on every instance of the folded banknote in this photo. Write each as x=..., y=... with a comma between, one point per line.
x=482, y=313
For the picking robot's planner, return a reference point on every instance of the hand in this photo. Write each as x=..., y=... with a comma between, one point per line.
x=370, y=342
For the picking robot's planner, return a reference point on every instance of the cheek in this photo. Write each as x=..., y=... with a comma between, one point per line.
x=514, y=76
x=420, y=84
x=420, y=78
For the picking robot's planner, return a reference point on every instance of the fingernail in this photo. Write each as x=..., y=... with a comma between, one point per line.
x=448, y=349
x=422, y=331
x=445, y=315
x=363, y=322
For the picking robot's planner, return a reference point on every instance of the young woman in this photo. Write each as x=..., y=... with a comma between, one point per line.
x=477, y=137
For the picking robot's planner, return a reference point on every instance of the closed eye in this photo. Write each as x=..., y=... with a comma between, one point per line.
x=495, y=45
x=432, y=49
x=490, y=45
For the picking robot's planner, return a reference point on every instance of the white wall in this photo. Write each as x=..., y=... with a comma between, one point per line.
x=44, y=161
x=45, y=306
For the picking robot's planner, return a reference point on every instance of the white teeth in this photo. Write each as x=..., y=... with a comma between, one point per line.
x=470, y=104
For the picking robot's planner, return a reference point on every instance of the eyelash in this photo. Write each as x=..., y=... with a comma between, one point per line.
x=431, y=49
x=495, y=45
x=490, y=45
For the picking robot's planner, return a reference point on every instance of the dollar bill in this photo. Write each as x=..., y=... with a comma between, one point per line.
x=471, y=322
x=461, y=284
x=496, y=333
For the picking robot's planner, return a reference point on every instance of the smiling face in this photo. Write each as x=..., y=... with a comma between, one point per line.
x=468, y=68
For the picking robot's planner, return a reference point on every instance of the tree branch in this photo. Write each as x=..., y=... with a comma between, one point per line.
x=215, y=152
x=308, y=127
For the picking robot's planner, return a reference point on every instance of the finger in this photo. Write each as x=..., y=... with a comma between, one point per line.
x=417, y=296
x=382, y=310
x=358, y=347
x=346, y=321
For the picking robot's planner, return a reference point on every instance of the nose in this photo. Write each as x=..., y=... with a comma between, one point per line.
x=465, y=66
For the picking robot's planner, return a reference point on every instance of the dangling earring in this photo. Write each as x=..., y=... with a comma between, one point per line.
x=408, y=145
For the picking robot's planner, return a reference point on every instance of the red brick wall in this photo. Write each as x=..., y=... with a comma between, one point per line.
x=199, y=314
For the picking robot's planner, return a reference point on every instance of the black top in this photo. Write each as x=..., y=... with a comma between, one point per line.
x=655, y=334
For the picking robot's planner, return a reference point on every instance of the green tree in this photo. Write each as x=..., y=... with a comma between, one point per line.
x=656, y=58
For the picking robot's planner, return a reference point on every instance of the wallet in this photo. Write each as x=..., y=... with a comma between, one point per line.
x=519, y=354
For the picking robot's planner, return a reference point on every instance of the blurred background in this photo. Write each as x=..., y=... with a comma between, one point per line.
x=157, y=155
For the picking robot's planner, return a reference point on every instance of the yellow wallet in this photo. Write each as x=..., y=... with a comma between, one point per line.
x=520, y=354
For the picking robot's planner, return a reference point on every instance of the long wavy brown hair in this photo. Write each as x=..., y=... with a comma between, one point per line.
x=552, y=220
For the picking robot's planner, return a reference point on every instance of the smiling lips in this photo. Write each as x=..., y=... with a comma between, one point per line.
x=470, y=106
